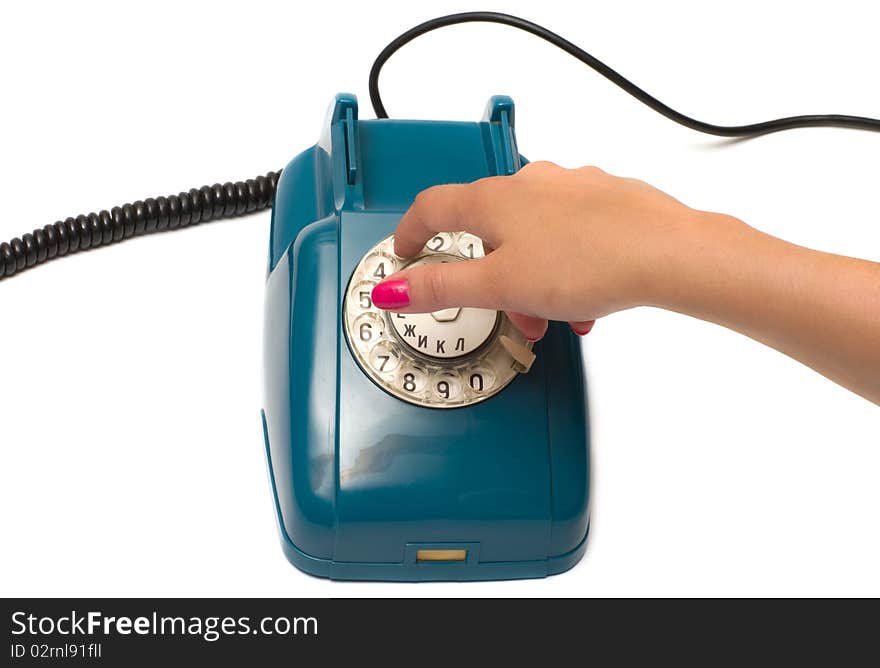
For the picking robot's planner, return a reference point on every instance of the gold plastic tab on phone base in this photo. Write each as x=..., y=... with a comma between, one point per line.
x=441, y=555
x=522, y=356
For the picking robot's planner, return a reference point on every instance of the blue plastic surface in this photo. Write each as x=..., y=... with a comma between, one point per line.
x=362, y=480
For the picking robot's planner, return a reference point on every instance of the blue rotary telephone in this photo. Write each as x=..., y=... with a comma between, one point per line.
x=421, y=446
x=435, y=446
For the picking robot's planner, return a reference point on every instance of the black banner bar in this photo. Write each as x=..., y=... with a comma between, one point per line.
x=417, y=631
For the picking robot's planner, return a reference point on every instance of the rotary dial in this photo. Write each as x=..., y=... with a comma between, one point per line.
x=450, y=358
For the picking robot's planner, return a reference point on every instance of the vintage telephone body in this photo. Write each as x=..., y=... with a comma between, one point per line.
x=371, y=484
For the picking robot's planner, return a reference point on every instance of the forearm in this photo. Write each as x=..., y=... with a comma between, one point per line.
x=818, y=308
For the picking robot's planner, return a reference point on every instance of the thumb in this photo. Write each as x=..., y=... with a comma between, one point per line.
x=432, y=287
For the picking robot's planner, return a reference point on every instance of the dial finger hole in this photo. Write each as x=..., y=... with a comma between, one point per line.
x=385, y=357
x=446, y=386
x=368, y=329
x=481, y=379
x=379, y=266
x=439, y=243
x=470, y=246
x=360, y=296
x=413, y=379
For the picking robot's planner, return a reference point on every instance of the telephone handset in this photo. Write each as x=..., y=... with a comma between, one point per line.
x=371, y=481
x=446, y=359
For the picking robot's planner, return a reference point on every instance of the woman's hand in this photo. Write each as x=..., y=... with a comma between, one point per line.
x=571, y=245
x=576, y=245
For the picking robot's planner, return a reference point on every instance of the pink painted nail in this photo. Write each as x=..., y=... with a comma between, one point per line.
x=586, y=330
x=391, y=294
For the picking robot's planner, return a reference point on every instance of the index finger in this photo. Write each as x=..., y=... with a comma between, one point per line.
x=446, y=208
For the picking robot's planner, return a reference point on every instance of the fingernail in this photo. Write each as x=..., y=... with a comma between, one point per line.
x=391, y=294
x=533, y=340
x=586, y=330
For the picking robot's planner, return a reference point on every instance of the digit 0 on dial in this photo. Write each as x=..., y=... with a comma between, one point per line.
x=446, y=359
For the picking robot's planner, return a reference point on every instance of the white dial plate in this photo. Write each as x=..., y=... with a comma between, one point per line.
x=446, y=359
x=445, y=334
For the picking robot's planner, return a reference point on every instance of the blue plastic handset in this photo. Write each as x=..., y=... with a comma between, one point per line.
x=368, y=486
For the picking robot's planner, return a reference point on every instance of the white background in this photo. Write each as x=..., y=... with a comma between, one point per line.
x=131, y=455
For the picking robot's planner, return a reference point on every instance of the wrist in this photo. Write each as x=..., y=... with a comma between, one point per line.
x=699, y=258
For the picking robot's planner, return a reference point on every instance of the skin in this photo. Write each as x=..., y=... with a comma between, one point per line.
x=577, y=245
